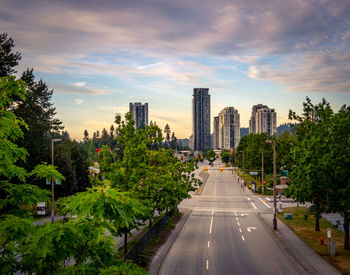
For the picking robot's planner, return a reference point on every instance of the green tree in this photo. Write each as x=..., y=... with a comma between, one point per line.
x=339, y=162
x=167, y=134
x=311, y=175
x=86, y=136
x=225, y=157
x=38, y=113
x=210, y=155
x=8, y=59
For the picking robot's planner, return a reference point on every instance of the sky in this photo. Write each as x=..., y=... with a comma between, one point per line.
x=98, y=56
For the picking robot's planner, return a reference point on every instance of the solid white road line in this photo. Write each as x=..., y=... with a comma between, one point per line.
x=217, y=210
x=254, y=205
x=264, y=203
x=207, y=264
x=208, y=244
x=211, y=225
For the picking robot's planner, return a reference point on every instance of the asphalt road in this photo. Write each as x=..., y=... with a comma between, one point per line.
x=224, y=234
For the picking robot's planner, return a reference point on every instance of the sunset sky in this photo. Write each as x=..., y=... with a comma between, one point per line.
x=100, y=55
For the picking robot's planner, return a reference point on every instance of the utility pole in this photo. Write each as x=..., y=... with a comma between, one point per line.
x=274, y=184
x=262, y=172
x=52, y=182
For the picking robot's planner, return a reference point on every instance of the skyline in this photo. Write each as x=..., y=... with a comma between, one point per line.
x=100, y=57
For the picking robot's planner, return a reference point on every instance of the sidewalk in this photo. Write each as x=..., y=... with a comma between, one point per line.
x=311, y=262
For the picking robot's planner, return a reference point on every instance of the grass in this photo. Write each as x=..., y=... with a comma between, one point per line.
x=305, y=229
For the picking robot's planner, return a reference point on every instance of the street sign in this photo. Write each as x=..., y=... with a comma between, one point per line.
x=253, y=173
x=329, y=233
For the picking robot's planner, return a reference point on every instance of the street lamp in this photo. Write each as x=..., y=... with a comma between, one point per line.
x=243, y=160
x=52, y=183
x=274, y=184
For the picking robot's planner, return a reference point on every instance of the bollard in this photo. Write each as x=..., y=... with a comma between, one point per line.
x=331, y=248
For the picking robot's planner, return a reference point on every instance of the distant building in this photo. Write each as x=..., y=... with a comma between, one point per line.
x=228, y=130
x=263, y=120
x=139, y=113
x=201, y=119
x=216, y=133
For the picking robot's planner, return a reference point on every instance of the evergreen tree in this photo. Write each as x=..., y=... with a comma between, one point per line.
x=8, y=59
x=86, y=136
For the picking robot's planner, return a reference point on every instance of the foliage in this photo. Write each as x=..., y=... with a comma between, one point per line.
x=8, y=59
x=210, y=154
x=225, y=157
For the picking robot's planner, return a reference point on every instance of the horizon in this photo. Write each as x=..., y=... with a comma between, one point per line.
x=99, y=57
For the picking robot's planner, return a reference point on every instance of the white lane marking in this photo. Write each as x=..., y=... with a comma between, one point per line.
x=264, y=203
x=207, y=264
x=248, y=198
x=240, y=230
x=238, y=224
x=212, y=213
x=242, y=238
x=208, y=244
x=211, y=225
x=216, y=210
x=235, y=213
x=249, y=229
x=253, y=205
x=236, y=219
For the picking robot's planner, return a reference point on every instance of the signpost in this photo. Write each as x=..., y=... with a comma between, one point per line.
x=253, y=173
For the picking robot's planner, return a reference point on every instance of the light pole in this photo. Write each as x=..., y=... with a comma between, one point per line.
x=243, y=161
x=274, y=184
x=52, y=183
x=262, y=172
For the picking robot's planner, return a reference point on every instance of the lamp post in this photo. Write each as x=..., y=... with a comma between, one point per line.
x=52, y=183
x=243, y=160
x=262, y=172
x=274, y=184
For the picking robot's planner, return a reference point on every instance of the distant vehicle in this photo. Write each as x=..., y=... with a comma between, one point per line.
x=41, y=209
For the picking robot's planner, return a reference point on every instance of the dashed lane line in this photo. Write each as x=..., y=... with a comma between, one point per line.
x=253, y=205
x=211, y=224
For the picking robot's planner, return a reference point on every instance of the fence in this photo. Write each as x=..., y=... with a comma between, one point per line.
x=140, y=245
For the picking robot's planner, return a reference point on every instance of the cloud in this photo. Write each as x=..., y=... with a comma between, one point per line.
x=74, y=35
x=78, y=101
x=79, y=84
x=71, y=89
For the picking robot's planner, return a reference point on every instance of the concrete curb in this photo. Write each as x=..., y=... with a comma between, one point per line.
x=163, y=251
x=308, y=259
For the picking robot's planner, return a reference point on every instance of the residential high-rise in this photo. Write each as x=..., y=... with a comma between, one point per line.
x=263, y=120
x=228, y=130
x=216, y=133
x=252, y=121
x=201, y=119
x=139, y=113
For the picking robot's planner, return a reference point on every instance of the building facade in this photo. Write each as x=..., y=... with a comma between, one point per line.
x=216, y=133
x=139, y=113
x=201, y=119
x=263, y=120
x=228, y=129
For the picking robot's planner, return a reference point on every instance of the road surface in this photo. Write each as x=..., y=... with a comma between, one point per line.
x=224, y=234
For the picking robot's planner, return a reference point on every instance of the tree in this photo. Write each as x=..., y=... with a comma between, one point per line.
x=225, y=156
x=8, y=59
x=173, y=141
x=38, y=113
x=339, y=161
x=86, y=136
x=15, y=220
x=311, y=175
x=167, y=133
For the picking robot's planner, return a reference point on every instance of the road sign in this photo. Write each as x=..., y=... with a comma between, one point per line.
x=253, y=173
x=329, y=233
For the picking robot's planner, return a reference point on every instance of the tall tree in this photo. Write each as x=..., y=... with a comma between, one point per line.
x=39, y=114
x=311, y=175
x=8, y=59
x=167, y=133
x=86, y=136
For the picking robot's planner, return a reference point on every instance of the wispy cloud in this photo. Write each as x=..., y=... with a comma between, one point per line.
x=79, y=84
x=78, y=101
x=72, y=89
x=149, y=66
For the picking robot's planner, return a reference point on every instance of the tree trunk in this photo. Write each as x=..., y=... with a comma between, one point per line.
x=150, y=223
x=346, y=230
x=317, y=216
x=125, y=242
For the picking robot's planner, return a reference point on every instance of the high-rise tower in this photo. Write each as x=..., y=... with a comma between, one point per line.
x=139, y=113
x=201, y=119
x=263, y=120
x=228, y=130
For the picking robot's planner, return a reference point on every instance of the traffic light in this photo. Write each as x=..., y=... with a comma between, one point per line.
x=264, y=182
x=221, y=170
x=206, y=169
